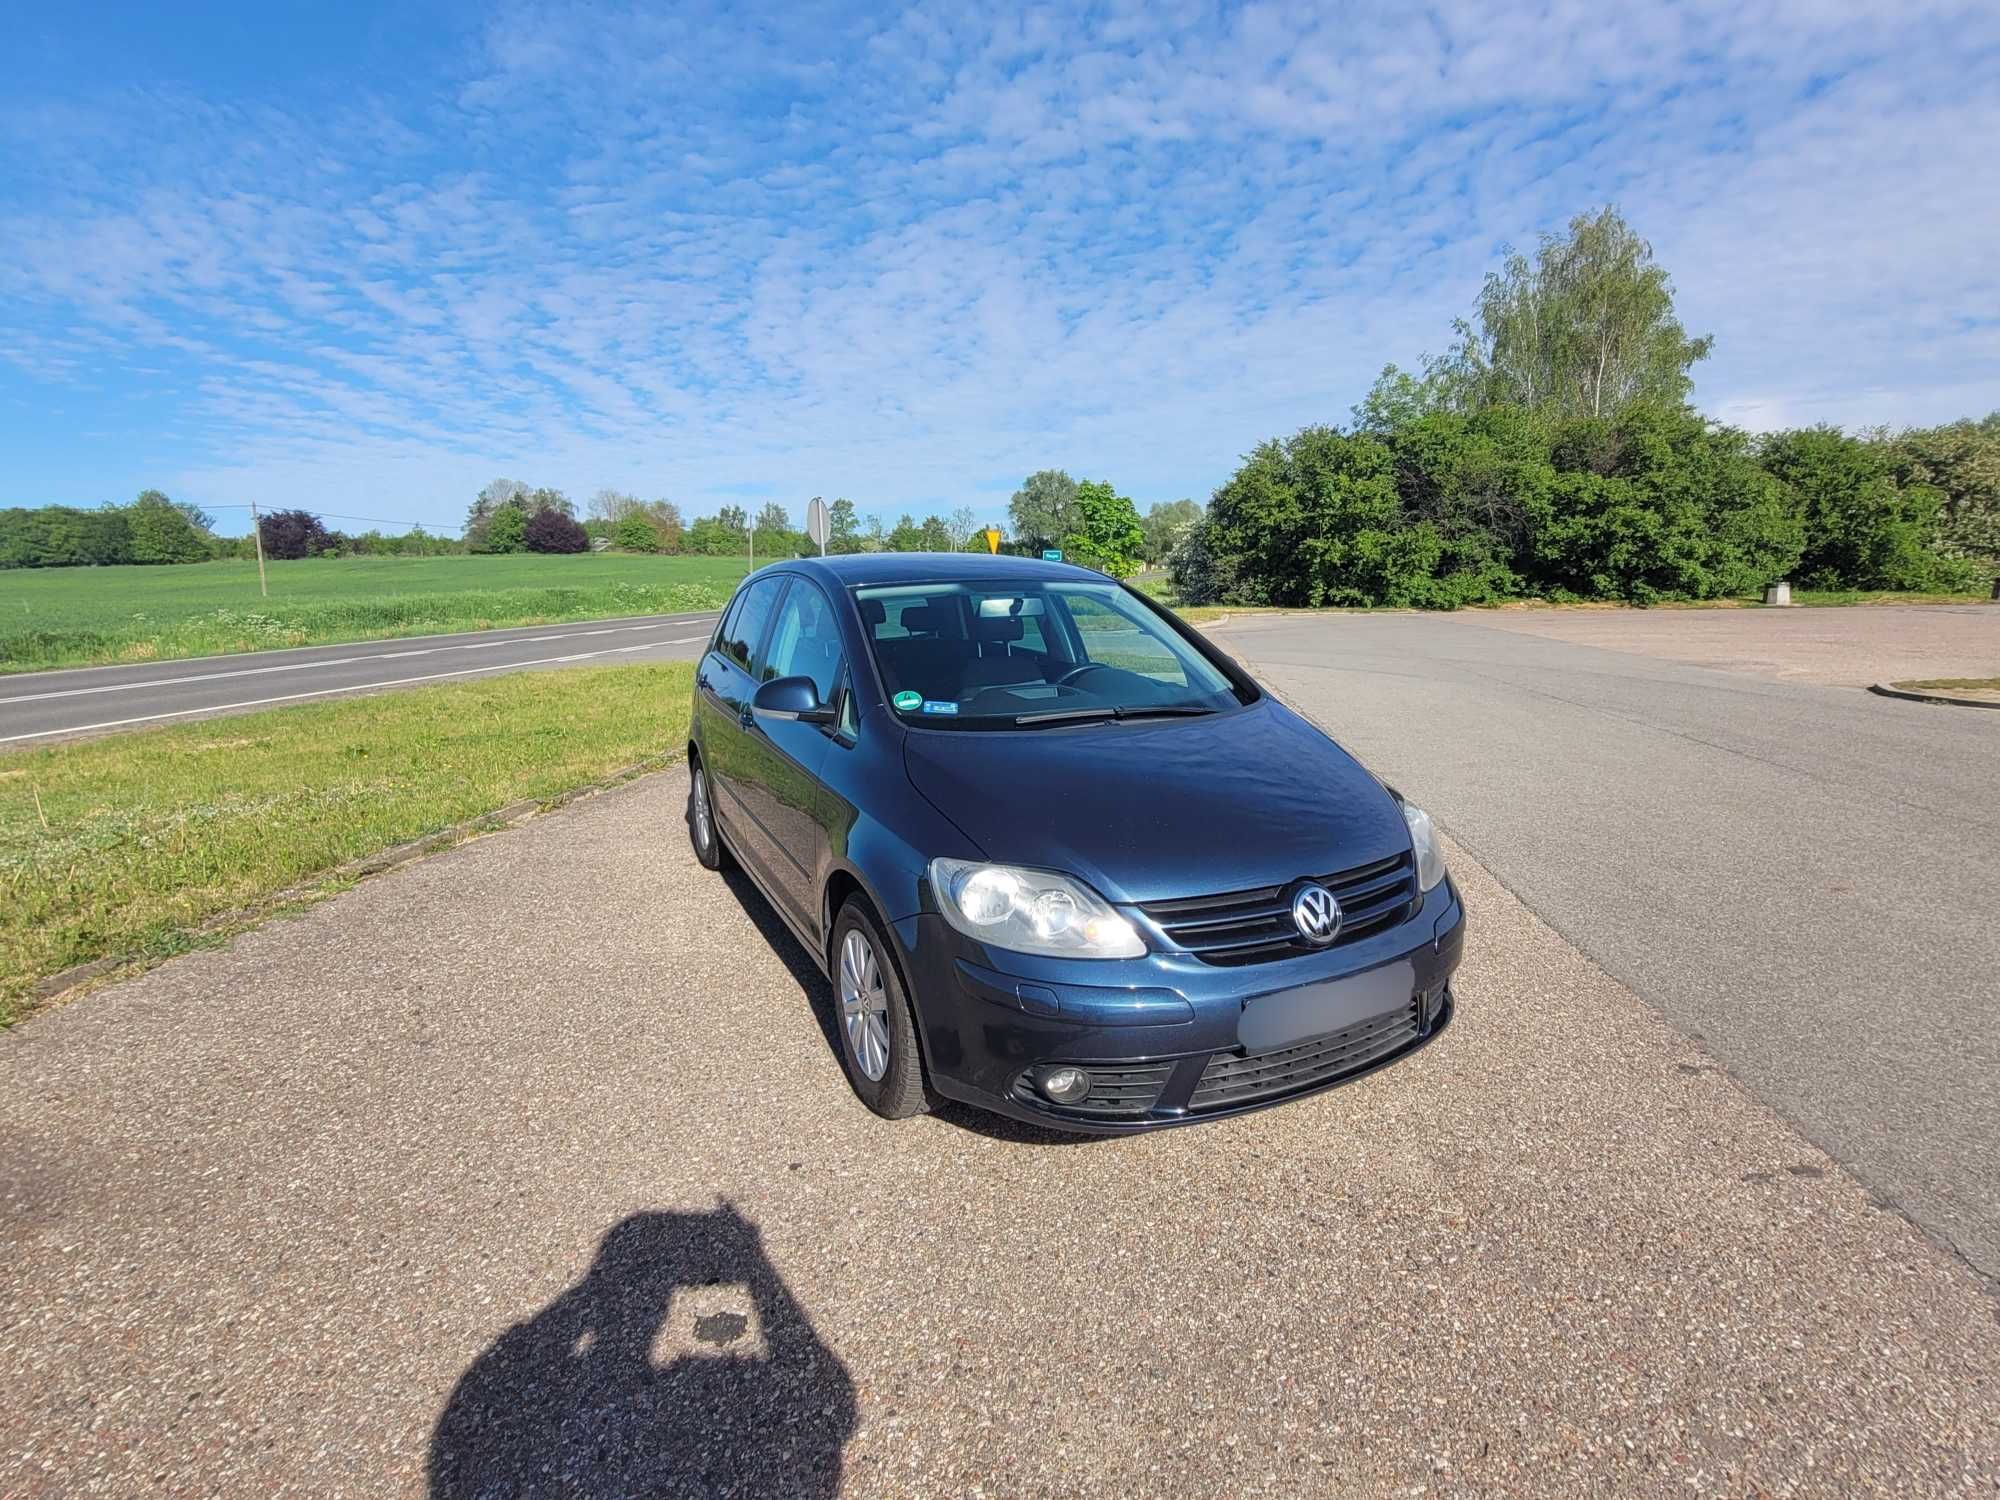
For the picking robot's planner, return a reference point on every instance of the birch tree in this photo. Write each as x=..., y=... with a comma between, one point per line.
x=1585, y=328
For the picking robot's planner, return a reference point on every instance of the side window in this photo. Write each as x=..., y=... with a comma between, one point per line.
x=728, y=620
x=1113, y=639
x=806, y=641
x=745, y=626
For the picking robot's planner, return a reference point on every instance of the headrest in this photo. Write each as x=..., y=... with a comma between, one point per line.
x=919, y=617
x=872, y=611
x=998, y=628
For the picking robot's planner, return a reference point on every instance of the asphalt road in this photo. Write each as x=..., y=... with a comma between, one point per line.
x=1806, y=877
x=529, y=1170
x=87, y=700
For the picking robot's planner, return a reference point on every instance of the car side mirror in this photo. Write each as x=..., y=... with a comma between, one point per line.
x=791, y=698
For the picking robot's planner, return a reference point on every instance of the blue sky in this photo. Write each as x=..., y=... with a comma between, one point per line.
x=366, y=259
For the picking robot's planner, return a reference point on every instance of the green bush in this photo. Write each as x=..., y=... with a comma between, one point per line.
x=1436, y=509
x=1317, y=520
x=1105, y=530
x=636, y=534
x=1962, y=461
x=162, y=533
x=1864, y=529
x=60, y=536
x=1656, y=504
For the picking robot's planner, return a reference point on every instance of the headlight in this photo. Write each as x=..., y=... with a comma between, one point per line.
x=1430, y=860
x=1031, y=911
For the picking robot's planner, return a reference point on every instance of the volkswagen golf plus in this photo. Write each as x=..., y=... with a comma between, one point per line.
x=1057, y=854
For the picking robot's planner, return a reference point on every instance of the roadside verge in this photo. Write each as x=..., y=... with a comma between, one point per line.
x=121, y=852
x=1956, y=691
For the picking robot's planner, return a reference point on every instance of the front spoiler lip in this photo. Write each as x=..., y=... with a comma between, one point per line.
x=1167, y=1120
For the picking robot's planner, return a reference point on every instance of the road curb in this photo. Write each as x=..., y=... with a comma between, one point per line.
x=380, y=862
x=1915, y=695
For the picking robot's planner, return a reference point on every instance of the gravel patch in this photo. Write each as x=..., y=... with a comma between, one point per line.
x=1849, y=646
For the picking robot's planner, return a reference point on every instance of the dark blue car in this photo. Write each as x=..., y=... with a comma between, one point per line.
x=1059, y=856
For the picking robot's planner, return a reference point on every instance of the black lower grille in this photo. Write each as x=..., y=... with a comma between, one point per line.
x=1256, y=926
x=1115, y=1089
x=1233, y=1078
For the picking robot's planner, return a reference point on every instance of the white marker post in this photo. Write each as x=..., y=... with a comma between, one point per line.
x=257, y=530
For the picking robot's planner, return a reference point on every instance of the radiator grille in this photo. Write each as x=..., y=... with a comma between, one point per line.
x=1252, y=927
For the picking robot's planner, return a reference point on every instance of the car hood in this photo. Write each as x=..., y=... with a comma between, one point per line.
x=1158, y=808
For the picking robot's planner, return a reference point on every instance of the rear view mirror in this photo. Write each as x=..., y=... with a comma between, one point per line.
x=791, y=698
x=1000, y=607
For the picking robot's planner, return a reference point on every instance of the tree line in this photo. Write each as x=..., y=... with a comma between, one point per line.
x=156, y=529
x=1552, y=453
x=636, y=525
x=152, y=529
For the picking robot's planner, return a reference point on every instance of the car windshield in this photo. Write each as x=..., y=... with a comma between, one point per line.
x=971, y=656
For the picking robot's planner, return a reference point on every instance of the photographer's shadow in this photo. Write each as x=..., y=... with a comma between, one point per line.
x=679, y=1365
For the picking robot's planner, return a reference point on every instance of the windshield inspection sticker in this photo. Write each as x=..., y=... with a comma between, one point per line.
x=932, y=706
x=907, y=702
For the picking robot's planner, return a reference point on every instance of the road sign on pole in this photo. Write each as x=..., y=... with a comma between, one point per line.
x=993, y=539
x=818, y=525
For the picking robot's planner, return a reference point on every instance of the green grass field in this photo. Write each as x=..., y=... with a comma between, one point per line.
x=62, y=617
x=126, y=847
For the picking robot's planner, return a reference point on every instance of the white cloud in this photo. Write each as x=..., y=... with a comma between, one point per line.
x=893, y=260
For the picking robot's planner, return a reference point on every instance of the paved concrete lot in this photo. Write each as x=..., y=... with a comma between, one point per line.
x=1844, y=647
x=529, y=1170
x=88, y=700
x=1802, y=875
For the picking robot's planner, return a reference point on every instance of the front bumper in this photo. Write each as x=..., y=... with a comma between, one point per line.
x=1165, y=1037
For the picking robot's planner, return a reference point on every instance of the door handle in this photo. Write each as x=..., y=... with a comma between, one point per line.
x=701, y=679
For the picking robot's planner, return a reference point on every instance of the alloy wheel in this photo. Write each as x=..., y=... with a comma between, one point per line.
x=702, y=831
x=864, y=1006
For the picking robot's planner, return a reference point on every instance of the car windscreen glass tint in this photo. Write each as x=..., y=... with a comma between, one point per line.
x=963, y=656
x=1116, y=639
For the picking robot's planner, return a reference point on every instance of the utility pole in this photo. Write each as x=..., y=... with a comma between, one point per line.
x=753, y=543
x=257, y=530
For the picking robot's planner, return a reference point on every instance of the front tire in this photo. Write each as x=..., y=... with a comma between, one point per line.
x=702, y=832
x=878, y=1034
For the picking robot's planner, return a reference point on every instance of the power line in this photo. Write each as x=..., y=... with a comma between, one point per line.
x=332, y=515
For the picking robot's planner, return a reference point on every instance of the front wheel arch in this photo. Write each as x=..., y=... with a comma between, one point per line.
x=896, y=1094
x=841, y=886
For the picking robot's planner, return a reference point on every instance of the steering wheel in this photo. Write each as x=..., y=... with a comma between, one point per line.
x=1075, y=672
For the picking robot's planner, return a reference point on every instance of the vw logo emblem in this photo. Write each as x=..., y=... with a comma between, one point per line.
x=1316, y=914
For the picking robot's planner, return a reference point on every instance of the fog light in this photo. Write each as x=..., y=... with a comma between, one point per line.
x=1064, y=1085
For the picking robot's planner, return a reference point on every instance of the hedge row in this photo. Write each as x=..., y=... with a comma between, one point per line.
x=1450, y=508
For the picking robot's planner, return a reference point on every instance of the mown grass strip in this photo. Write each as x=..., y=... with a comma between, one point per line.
x=128, y=847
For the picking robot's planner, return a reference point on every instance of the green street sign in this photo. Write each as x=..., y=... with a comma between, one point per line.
x=1051, y=554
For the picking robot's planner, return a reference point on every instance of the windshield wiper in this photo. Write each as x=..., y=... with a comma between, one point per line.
x=1138, y=711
